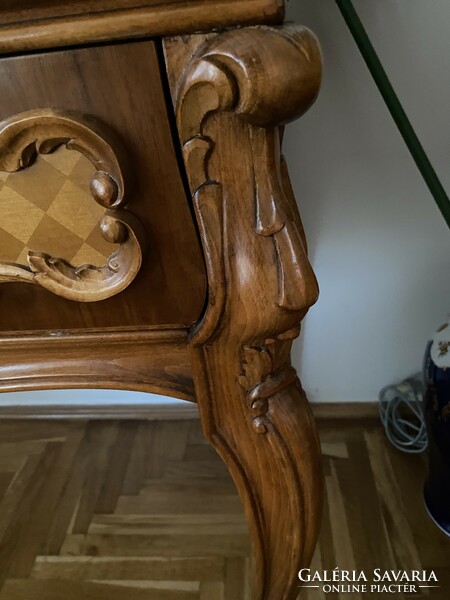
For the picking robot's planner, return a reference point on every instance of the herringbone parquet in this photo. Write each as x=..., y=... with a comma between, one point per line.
x=109, y=510
x=142, y=510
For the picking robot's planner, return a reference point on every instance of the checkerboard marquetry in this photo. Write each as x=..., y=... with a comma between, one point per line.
x=48, y=208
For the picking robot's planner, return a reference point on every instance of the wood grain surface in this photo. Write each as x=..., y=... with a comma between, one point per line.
x=120, y=86
x=37, y=24
x=146, y=360
x=147, y=511
x=232, y=92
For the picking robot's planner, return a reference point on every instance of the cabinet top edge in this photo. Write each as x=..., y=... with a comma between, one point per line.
x=27, y=25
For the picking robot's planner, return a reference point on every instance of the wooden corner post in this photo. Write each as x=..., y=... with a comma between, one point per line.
x=232, y=92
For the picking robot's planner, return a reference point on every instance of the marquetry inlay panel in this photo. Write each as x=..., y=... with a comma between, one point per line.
x=48, y=207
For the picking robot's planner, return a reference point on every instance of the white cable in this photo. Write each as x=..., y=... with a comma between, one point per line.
x=402, y=415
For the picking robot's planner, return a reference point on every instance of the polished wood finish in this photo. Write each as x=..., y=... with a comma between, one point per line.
x=147, y=511
x=22, y=138
x=225, y=186
x=38, y=24
x=230, y=99
x=145, y=360
x=171, y=285
x=61, y=217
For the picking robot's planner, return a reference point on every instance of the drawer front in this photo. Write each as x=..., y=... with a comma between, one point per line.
x=47, y=207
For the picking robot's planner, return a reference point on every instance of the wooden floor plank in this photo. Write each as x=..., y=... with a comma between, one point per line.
x=21, y=498
x=57, y=589
x=157, y=545
x=116, y=467
x=213, y=590
x=100, y=440
x=393, y=506
x=136, y=469
x=236, y=584
x=371, y=546
x=131, y=569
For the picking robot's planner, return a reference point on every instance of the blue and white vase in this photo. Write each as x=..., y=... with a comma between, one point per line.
x=437, y=414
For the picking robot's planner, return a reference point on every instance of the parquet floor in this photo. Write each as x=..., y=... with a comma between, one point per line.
x=130, y=510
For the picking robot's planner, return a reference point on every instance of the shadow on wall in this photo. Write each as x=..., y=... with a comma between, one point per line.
x=378, y=244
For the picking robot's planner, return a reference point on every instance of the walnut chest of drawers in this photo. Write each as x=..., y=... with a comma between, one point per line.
x=149, y=237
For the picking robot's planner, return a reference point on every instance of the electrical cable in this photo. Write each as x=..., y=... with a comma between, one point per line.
x=402, y=415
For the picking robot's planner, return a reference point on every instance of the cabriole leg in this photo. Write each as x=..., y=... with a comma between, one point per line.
x=230, y=100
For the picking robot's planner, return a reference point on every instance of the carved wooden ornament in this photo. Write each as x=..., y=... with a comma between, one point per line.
x=22, y=138
x=231, y=98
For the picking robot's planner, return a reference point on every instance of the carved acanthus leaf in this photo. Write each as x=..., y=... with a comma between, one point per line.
x=241, y=74
x=266, y=371
x=263, y=361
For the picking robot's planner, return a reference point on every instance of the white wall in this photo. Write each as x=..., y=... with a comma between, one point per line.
x=379, y=246
x=85, y=398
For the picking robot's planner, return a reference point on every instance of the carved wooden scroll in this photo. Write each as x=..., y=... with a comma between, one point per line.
x=231, y=99
x=22, y=138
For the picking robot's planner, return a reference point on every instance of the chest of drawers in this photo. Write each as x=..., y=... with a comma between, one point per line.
x=149, y=237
